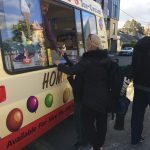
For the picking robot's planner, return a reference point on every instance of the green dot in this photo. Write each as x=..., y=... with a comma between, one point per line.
x=49, y=100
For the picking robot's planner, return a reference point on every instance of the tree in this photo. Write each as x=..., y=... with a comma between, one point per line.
x=17, y=28
x=147, y=30
x=133, y=27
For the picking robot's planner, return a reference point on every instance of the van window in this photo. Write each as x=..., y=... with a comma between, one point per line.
x=22, y=36
x=79, y=31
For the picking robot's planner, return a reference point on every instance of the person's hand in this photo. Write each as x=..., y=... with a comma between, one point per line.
x=56, y=62
x=61, y=52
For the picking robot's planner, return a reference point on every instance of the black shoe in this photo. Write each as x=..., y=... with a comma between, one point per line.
x=76, y=145
x=141, y=140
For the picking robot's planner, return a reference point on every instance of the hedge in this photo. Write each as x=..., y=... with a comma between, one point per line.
x=131, y=44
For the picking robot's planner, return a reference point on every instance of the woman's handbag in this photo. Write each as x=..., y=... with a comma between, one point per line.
x=122, y=107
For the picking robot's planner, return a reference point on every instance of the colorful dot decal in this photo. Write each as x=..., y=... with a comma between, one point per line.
x=32, y=104
x=101, y=23
x=14, y=120
x=66, y=95
x=49, y=100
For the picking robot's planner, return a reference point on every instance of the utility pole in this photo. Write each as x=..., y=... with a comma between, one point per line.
x=149, y=29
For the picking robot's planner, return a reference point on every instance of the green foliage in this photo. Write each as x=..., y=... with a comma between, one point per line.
x=133, y=27
x=130, y=44
x=17, y=28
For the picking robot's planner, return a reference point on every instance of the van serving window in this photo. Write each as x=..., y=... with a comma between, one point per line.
x=63, y=26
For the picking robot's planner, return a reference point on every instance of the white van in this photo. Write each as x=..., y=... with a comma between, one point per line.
x=34, y=96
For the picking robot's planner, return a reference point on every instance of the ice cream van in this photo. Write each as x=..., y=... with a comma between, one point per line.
x=34, y=96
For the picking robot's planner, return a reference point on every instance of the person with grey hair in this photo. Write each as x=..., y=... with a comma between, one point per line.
x=95, y=93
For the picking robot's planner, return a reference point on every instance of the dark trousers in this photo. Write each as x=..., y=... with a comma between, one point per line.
x=78, y=122
x=140, y=102
x=95, y=124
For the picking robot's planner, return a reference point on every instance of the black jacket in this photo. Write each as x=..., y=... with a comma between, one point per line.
x=93, y=66
x=141, y=63
x=75, y=82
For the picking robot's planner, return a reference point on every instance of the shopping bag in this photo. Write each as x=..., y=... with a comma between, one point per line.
x=122, y=107
x=130, y=92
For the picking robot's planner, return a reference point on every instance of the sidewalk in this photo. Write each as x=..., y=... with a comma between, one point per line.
x=120, y=140
x=63, y=136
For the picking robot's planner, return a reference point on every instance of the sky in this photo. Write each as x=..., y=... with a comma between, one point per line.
x=136, y=9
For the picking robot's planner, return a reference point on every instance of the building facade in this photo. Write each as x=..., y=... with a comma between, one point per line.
x=112, y=23
x=111, y=10
x=104, y=5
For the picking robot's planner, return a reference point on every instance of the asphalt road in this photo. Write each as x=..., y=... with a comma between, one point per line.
x=62, y=137
x=123, y=60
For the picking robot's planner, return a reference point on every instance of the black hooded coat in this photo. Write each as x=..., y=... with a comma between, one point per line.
x=94, y=68
x=141, y=62
x=75, y=82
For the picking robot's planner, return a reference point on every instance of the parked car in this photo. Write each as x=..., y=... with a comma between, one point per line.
x=126, y=51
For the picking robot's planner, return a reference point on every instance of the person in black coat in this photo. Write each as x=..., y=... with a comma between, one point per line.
x=96, y=95
x=141, y=81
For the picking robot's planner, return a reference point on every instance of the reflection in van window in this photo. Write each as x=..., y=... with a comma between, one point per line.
x=89, y=24
x=22, y=36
